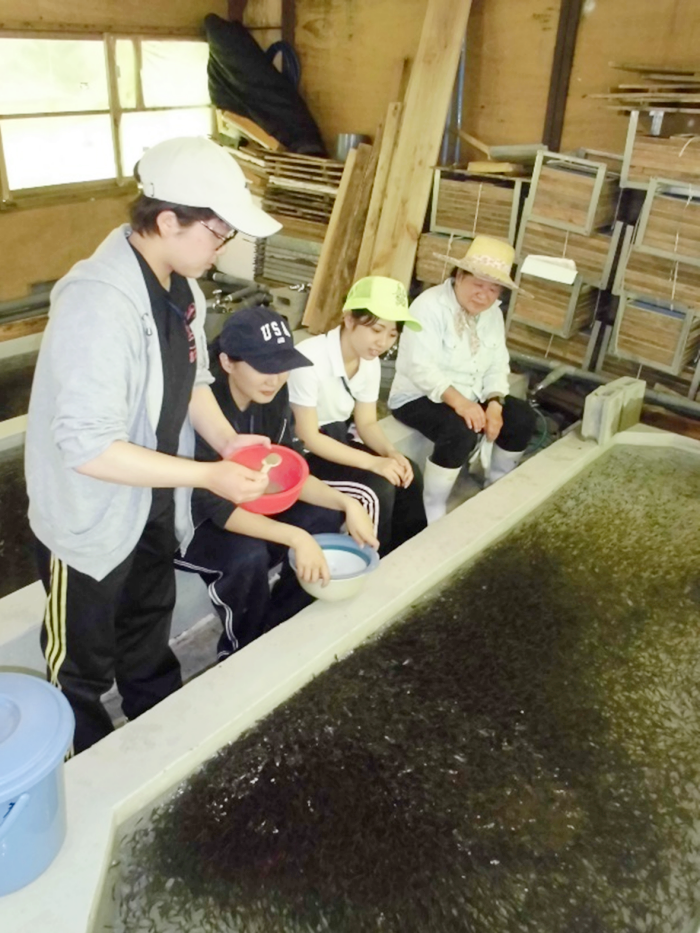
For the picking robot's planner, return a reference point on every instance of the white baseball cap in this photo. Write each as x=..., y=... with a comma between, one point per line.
x=195, y=172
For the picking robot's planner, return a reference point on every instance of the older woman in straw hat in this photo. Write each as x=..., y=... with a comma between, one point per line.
x=451, y=380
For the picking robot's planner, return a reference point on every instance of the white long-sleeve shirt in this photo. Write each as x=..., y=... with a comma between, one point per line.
x=440, y=356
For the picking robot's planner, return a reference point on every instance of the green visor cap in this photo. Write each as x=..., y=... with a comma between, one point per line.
x=383, y=297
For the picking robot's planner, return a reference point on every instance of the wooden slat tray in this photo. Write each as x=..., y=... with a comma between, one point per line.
x=558, y=309
x=655, y=336
x=594, y=255
x=573, y=194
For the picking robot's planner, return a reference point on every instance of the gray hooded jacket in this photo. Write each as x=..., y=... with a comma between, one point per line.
x=99, y=379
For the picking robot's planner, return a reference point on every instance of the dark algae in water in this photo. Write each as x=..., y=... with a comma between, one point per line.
x=521, y=753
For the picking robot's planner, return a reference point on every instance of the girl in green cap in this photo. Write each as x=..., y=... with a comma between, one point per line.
x=335, y=407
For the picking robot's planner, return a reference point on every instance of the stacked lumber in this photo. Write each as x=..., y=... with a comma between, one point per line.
x=594, y=255
x=252, y=162
x=656, y=88
x=573, y=194
x=284, y=259
x=429, y=268
x=466, y=204
x=291, y=185
x=559, y=309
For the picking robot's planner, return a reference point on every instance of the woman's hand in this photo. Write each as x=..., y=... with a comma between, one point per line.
x=359, y=524
x=405, y=467
x=473, y=414
x=494, y=420
x=243, y=440
x=235, y=482
x=388, y=468
x=310, y=560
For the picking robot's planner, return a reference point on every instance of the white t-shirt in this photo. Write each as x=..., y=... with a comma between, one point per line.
x=325, y=385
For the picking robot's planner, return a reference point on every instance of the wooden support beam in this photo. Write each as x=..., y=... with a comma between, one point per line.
x=289, y=20
x=567, y=31
x=425, y=108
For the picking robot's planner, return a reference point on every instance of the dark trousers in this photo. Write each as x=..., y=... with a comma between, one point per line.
x=236, y=569
x=453, y=440
x=118, y=628
x=398, y=513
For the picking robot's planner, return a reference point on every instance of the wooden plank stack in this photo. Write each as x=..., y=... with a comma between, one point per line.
x=656, y=88
x=303, y=187
x=465, y=204
x=291, y=256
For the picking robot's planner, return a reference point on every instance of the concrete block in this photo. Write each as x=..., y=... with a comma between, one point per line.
x=612, y=408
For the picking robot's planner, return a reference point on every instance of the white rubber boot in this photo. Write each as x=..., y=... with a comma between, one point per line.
x=502, y=462
x=437, y=486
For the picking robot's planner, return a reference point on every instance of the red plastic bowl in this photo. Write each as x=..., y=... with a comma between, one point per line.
x=291, y=475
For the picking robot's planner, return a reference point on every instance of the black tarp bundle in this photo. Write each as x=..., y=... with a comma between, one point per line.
x=244, y=81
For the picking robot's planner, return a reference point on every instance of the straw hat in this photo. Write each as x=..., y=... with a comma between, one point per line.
x=487, y=258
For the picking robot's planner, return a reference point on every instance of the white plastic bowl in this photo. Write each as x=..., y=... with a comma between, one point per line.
x=348, y=563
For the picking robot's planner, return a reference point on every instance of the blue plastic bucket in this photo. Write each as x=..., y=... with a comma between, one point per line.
x=36, y=729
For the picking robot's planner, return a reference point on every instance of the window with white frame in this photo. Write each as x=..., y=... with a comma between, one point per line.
x=78, y=110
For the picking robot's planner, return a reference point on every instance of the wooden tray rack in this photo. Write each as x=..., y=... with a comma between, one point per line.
x=648, y=157
x=553, y=307
x=652, y=335
x=576, y=350
x=594, y=255
x=669, y=224
x=572, y=194
x=431, y=270
x=466, y=204
x=660, y=280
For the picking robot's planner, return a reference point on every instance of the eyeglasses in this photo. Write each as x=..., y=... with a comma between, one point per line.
x=220, y=236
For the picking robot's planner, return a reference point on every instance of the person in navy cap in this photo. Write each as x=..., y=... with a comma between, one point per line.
x=234, y=550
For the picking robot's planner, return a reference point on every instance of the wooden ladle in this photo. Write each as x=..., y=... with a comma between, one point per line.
x=268, y=462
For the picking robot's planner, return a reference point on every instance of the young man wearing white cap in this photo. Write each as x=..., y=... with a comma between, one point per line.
x=120, y=383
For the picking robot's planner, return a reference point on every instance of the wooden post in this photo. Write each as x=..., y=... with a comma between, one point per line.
x=425, y=108
x=386, y=153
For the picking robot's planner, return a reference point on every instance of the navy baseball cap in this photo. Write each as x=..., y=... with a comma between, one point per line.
x=261, y=338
